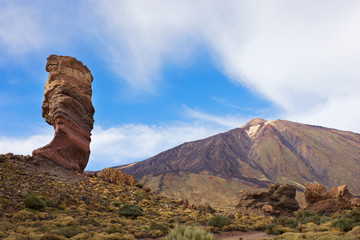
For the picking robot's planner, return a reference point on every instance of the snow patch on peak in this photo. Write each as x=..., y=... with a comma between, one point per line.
x=251, y=132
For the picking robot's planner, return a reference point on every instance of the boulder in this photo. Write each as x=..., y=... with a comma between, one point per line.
x=318, y=199
x=68, y=107
x=113, y=175
x=183, y=202
x=341, y=192
x=205, y=208
x=278, y=200
x=315, y=192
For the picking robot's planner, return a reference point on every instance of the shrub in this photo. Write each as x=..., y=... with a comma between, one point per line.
x=139, y=185
x=286, y=222
x=275, y=227
x=2, y=158
x=34, y=202
x=114, y=229
x=140, y=195
x=306, y=216
x=159, y=226
x=344, y=224
x=49, y=236
x=131, y=210
x=70, y=231
x=116, y=204
x=353, y=214
x=219, y=221
x=189, y=233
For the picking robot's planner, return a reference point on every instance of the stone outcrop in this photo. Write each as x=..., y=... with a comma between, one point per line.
x=68, y=107
x=279, y=200
x=116, y=176
x=315, y=192
x=205, y=208
x=318, y=199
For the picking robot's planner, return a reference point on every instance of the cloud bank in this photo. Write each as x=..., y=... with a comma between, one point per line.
x=303, y=56
x=122, y=144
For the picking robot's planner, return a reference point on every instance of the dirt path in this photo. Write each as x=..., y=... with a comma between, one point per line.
x=244, y=235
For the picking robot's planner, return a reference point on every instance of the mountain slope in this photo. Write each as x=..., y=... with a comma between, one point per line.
x=253, y=156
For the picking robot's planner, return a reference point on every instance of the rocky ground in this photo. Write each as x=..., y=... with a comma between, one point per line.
x=79, y=206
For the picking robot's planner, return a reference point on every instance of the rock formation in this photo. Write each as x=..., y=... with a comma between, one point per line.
x=328, y=203
x=279, y=200
x=116, y=176
x=68, y=107
x=315, y=192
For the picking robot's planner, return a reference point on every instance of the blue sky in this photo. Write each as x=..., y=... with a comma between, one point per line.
x=170, y=72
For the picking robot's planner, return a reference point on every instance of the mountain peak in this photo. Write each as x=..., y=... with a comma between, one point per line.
x=253, y=126
x=254, y=122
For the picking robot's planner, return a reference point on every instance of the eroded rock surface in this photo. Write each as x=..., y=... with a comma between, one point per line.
x=279, y=200
x=68, y=107
x=328, y=203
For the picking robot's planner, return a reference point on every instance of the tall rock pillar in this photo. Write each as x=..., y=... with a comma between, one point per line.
x=68, y=107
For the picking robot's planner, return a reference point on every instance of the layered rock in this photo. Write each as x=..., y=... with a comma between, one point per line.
x=318, y=199
x=278, y=200
x=116, y=176
x=315, y=192
x=68, y=107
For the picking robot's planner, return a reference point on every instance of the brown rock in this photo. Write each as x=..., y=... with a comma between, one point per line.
x=192, y=206
x=183, y=202
x=315, y=192
x=279, y=200
x=267, y=208
x=355, y=202
x=341, y=192
x=328, y=206
x=205, y=208
x=68, y=107
x=113, y=175
x=327, y=203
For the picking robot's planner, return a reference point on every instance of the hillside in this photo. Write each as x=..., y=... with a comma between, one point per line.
x=259, y=153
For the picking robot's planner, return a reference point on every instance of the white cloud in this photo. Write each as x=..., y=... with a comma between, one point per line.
x=134, y=142
x=23, y=145
x=300, y=55
x=122, y=144
x=228, y=122
x=21, y=28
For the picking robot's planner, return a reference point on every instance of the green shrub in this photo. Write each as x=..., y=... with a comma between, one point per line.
x=49, y=236
x=116, y=204
x=353, y=214
x=140, y=195
x=139, y=185
x=189, y=233
x=277, y=223
x=34, y=202
x=344, y=224
x=2, y=158
x=219, y=221
x=70, y=231
x=114, y=229
x=131, y=210
x=286, y=222
x=306, y=216
x=5, y=200
x=274, y=229
x=159, y=226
